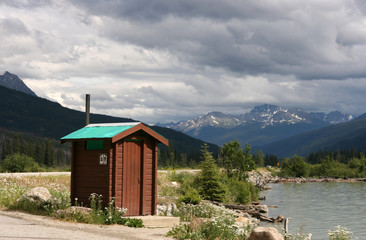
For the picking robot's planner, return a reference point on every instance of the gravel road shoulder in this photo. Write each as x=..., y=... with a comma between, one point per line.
x=15, y=225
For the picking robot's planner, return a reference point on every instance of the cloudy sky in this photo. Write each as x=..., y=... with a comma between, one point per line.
x=158, y=60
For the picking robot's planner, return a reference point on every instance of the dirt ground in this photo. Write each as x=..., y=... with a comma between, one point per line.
x=17, y=225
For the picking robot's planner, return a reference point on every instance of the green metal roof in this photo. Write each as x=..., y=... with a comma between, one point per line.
x=103, y=130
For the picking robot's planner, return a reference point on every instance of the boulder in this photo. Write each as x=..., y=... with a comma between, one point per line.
x=166, y=210
x=75, y=210
x=261, y=208
x=265, y=233
x=38, y=195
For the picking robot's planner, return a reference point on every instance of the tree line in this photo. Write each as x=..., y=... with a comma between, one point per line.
x=49, y=153
x=169, y=157
x=334, y=164
x=45, y=152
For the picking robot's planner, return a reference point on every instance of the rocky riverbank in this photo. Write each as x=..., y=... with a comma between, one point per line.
x=261, y=178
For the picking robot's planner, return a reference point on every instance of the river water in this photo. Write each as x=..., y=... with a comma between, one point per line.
x=318, y=207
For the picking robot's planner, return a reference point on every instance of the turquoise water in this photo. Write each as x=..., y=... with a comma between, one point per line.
x=318, y=207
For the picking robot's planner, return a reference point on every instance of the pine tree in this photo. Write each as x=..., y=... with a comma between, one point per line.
x=7, y=148
x=258, y=158
x=171, y=155
x=40, y=152
x=60, y=159
x=209, y=179
x=183, y=160
x=50, y=159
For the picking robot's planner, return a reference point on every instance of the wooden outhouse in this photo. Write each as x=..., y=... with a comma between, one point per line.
x=117, y=160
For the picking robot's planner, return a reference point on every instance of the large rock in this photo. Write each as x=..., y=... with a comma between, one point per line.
x=73, y=211
x=265, y=233
x=166, y=210
x=261, y=208
x=38, y=195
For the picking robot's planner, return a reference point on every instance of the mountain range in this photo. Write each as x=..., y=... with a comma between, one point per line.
x=262, y=125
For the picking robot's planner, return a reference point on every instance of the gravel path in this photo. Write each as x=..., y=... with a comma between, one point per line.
x=16, y=225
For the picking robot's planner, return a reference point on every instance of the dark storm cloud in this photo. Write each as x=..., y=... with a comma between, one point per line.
x=146, y=10
x=315, y=40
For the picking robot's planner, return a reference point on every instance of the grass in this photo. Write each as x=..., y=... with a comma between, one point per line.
x=12, y=189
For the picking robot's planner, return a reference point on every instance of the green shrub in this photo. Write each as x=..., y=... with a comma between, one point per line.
x=286, y=168
x=215, y=223
x=19, y=163
x=131, y=222
x=182, y=177
x=184, y=231
x=187, y=212
x=190, y=196
x=242, y=192
x=299, y=167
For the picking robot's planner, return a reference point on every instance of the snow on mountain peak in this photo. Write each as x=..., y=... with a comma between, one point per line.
x=263, y=115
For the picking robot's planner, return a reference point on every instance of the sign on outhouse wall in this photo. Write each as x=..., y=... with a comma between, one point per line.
x=103, y=158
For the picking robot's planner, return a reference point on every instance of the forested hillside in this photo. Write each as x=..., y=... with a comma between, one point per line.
x=37, y=121
x=344, y=136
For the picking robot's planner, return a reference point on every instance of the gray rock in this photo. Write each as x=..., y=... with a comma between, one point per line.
x=265, y=233
x=262, y=208
x=166, y=210
x=38, y=195
x=74, y=210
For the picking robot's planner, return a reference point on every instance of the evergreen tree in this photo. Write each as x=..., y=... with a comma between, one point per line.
x=209, y=179
x=270, y=160
x=250, y=164
x=40, y=152
x=183, y=160
x=16, y=144
x=171, y=154
x=258, y=158
x=7, y=148
x=60, y=156
x=50, y=159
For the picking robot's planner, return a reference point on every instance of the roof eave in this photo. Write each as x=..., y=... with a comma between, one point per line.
x=144, y=128
x=82, y=139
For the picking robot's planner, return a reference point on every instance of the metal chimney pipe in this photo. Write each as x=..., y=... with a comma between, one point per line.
x=87, y=109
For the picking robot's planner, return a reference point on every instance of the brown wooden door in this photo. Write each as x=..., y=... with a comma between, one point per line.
x=132, y=177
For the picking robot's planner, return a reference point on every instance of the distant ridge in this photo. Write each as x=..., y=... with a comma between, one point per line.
x=12, y=81
x=262, y=125
x=347, y=135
